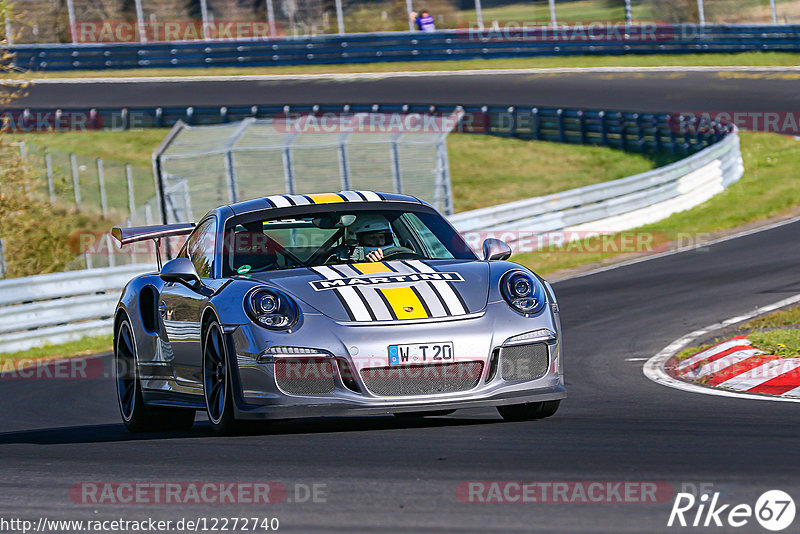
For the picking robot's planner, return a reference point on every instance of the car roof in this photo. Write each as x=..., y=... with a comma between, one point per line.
x=285, y=201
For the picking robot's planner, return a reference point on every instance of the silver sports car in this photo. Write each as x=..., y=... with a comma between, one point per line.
x=331, y=304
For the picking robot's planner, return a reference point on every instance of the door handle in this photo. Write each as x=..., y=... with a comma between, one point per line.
x=162, y=308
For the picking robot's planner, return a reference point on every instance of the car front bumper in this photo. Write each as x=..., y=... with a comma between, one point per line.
x=479, y=338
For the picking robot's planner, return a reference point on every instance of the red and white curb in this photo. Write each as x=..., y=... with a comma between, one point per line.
x=732, y=368
x=736, y=365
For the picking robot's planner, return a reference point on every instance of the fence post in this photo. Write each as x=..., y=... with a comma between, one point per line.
x=271, y=18
x=344, y=167
x=628, y=13
x=51, y=186
x=774, y=11
x=204, y=16
x=76, y=186
x=409, y=9
x=3, y=268
x=479, y=14
x=339, y=17
x=230, y=175
x=131, y=199
x=701, y=12
x=396, y=176
x=553, y=19
x=72, y=24
x=288, y=169
x=140, y=22
x=102, y=181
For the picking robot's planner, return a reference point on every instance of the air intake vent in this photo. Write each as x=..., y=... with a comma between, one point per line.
x=422, y=379
x=524, y=362
x=305, y=376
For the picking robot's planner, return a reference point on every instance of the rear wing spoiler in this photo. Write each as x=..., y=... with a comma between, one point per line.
x=134, y=234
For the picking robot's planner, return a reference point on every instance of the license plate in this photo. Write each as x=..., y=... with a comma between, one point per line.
x=421, y=353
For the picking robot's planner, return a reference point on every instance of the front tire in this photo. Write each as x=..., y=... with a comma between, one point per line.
x=136, y=415
x=218, y=387
x=528, y=411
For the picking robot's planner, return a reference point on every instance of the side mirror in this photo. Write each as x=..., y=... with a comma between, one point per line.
x=494, y=249
x=180, y=270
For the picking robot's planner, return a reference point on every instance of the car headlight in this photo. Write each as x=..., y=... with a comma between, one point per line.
x=271, y=308
x=523, y=292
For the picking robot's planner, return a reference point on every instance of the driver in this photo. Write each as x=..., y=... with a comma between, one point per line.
x=373, y=232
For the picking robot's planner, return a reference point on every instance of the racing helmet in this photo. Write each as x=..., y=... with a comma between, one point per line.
x=369, y=223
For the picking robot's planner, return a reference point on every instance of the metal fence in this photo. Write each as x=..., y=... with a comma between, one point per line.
x=116, y=191
x=305, y=153
x=488, y=43
x=89, y=21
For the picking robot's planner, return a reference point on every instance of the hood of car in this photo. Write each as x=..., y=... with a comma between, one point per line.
x=388, y=291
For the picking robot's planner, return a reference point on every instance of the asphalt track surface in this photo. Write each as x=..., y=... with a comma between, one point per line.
x=754, y=90
x=383, y=474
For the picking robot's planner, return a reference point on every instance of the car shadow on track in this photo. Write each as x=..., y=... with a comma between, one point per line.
x=202, y=430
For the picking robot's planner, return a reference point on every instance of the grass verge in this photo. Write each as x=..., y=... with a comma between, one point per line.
x=82, y=347
x=747, y=59
x=783, y=342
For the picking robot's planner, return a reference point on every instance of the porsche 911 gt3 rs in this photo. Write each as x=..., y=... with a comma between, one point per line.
x=331, y=304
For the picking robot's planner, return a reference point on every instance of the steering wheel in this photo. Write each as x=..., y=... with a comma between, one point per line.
x=395, y=252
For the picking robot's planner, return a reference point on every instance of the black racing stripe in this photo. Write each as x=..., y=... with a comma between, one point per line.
x=389, y=267
x=311, y=200
x=359, y=194
x=344, y=198
x=271, y=203
x=291, y=201
x=345, y=305
x=341, y=299
x=360, y=294
x=422, y=300
x=380, y=196
x=388, y=306
x=439, y=296
x=459, y=297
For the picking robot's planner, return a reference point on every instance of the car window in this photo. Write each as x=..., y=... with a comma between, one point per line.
x=200, y=247
x=255, y=244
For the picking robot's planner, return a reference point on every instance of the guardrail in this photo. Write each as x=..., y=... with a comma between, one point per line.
x=60, y=307
x=412, y=46
x=613, y=206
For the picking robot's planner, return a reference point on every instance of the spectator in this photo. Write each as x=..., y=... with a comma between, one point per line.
x=425, y=22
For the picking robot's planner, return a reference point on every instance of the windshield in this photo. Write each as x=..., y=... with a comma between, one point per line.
x=327, y=237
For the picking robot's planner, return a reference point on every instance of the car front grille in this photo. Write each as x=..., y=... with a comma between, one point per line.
x=524, y=362
x=422, y=379
x=305, y=376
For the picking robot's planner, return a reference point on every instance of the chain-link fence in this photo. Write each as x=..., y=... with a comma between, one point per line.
x=86, y=21
x=109, y=189
x=206, y=166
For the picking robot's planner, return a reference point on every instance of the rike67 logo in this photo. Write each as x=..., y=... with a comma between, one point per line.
x=774, y=510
